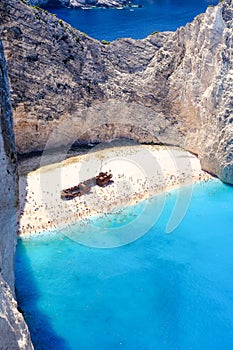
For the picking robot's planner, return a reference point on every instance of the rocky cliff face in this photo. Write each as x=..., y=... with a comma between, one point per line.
x=82, y=3
x=171, y=87
x=13, y=330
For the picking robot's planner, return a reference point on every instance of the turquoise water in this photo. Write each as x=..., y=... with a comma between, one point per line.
x=155, y=15
x=160, y=292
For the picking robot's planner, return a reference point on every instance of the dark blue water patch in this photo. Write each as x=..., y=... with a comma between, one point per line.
x=163, y=291
x=137, y=23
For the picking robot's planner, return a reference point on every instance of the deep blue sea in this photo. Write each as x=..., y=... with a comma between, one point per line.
x=137, y=23
x=161, y=292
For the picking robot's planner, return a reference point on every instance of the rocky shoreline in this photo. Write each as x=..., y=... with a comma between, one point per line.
x=171, y=88
x=85, y=4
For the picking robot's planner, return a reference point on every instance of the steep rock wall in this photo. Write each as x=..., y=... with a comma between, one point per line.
x=171, y=87
x=13, y=330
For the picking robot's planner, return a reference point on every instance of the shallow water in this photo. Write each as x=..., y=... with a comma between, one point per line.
x=155, y=15
x=160, y=292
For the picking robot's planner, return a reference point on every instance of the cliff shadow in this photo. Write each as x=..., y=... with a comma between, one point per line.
x=43, y=335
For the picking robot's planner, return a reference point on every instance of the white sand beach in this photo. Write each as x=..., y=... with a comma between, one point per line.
x=138, y=171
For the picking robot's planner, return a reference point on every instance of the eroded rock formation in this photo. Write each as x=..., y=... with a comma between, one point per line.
x=82, y=3
x=13, y=330
x=171, y=87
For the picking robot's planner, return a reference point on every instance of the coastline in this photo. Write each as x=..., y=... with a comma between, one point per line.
x=139, y=172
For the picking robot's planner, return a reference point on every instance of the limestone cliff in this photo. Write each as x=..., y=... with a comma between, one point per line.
x=13, y=330
x=82, y=3
x=171, y=87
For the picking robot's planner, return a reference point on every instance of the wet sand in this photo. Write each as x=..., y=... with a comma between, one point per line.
x=139, y=172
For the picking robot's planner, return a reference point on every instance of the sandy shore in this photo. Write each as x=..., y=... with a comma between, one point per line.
x=138, y=172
